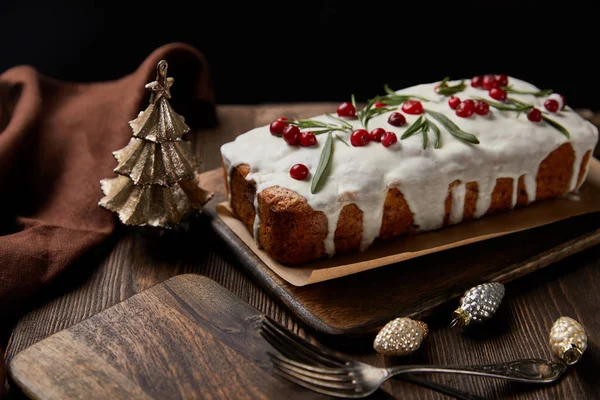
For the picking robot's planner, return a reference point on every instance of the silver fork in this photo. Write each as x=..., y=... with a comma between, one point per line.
x=305, y=364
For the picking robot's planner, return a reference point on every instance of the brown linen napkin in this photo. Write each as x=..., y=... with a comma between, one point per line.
x=56, y=144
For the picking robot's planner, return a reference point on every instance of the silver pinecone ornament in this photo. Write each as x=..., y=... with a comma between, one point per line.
x=400, y=337
x=568, y=340
x=478, y=304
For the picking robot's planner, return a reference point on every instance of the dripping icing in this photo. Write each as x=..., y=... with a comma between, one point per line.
x=510, y=146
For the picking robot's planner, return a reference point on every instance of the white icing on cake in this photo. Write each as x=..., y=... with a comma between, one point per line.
x=510, y=146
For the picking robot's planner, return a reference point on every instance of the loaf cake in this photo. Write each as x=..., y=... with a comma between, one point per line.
x=408, y=161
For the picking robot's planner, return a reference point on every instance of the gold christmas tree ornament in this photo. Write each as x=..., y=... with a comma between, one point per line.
x=478, y=304
x=568, y=340
x=158, y=183
x=400, y=337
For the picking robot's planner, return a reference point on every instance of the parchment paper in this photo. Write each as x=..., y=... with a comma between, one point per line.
x=407, y=247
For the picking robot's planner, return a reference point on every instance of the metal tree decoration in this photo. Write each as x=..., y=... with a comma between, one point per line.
x=158, y=183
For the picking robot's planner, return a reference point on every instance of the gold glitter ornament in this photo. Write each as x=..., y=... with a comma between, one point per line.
x=478, y=304
x=158, y=183
x=400, y=337
x=568, y=340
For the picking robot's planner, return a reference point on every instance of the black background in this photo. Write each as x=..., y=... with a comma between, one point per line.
x=313, y=51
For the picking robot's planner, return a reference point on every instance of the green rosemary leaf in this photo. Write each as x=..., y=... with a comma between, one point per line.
x=324, y=160
x=424, y=133
x=453, y=128
x=321, y=131
x=353, y=100
x=388, y=90
x=342, y=140
x=446, y=90
x=341, y=121
x=539, y=93
x=414, y=128
x=508, y=106
x=557, y=126
x=436, y=131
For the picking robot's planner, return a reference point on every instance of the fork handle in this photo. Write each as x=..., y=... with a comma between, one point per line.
x=528, y=370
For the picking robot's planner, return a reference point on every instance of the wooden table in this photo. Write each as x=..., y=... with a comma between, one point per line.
x=131, y=262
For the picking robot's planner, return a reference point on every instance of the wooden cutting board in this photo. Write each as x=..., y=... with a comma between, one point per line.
x=360, y=304
x=186, y=338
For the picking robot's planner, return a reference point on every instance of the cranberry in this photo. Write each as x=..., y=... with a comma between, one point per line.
x=389, y=139
x=299, y=172
x=396, y=119
x=453, y=102
x=346, y=109
x=551, y=105
x=501, y=80
x=465, y=109
x=413, y=107
x=359, y=138
x=291, y=134
x=482, y=107
x=476, y=81
x=379, y=104
x=308, y=139
x=376, y=134
x=498, y=94
x=277, y=127
x=488, y=82
x=534, y=115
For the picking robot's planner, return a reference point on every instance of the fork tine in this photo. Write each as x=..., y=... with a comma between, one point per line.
x=323, y=352
x=276, y=341
x=328, y=392
x=308, y=349
x=344, y=386
x=331, y=373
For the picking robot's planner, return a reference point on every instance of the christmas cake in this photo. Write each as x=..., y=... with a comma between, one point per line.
x=409, y=161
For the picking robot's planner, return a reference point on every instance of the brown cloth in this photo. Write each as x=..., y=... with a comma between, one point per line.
x=56, y=144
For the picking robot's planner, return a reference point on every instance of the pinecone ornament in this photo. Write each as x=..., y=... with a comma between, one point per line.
x=400, y=337
x=478, y=304
x=568, y=340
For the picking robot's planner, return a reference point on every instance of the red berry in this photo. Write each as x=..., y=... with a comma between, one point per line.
x=498, y=94
x=465, y=109
x=476, y=81
x=482, y=107
x=488, y=82
x=413, y=107
x=299, y=172
x=307, y=139
x=396, y=119
x=346, y=109
x=376, y=134
x=359, y=138
x=277, y=127
x=453, y=102
x=379, y=104
x=551, y=105
x=282, y=119
x=534, y=115
x=501, y=80
x=389, y=139
x=291, y=134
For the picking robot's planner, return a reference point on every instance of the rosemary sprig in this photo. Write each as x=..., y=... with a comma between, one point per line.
x=557, y=126
x=323, y=126
x=447, y=90
x=539, y=93
x=453, y=128
x=436, y=131
x=424, y=133
x=414, y=128
x=324, y=160
x=519, y=107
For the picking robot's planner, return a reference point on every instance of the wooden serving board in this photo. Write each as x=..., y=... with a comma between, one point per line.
x=185, y=338
x=360, y=304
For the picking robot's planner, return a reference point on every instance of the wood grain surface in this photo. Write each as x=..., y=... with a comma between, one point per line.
x=133, y=261
x=186, y=338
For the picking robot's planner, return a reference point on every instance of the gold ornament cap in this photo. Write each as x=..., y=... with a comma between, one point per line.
x=568, y=340
x=400, y=337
